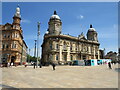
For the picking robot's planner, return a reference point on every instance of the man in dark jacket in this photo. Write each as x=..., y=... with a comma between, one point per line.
x=34, y=64
x=109, y=64
x=53, y=65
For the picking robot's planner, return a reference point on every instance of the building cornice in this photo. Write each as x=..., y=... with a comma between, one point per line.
x=70, y=38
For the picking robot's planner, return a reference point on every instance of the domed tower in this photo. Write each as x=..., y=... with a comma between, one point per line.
x=55, y=24
x=17, y=17
x=92, y=34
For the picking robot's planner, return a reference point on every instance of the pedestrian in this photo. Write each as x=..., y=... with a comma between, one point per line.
x=109, y=65
x=40, y=65
x=70, y=63
x=53, y=65
x=34, y=64
x=8, y=65
x=26, y=64
x=11, y=64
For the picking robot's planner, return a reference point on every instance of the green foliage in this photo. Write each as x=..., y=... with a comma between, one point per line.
x=31, y=58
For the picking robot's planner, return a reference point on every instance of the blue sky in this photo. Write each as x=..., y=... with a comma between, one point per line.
x=76, y=18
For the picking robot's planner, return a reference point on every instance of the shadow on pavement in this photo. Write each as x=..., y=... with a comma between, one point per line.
x=117, y=69
x=5, y=87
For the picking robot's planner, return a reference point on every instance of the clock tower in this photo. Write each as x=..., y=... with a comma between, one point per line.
x=55, y=25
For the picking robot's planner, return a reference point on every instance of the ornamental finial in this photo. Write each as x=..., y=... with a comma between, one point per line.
x=90, y=25
x=55, y=13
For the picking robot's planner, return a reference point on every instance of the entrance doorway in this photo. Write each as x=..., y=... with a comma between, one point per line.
x=13, y=59
x=65, y=57
x=84, y=57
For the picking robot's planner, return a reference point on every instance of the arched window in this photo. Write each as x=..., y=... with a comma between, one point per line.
x=16, y=35
x=3, y=46
x=64, y=46
x=4, y=35
x=56, y=57
x=8, y=36
x=76, y=48
x=7, y=46
x=71, y=57
x=57, y=46
x=13, y=35
x=50, y=57
x=15, y=46
x=70, y=46
x=65, y=57
x=12, y=45
x=50, y=45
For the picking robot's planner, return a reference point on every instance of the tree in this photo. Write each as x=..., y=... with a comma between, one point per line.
x=31, y=58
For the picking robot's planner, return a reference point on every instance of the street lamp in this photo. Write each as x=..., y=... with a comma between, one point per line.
x=38, y=36
x=35, y=48
x=104, y=53
x=29, y=56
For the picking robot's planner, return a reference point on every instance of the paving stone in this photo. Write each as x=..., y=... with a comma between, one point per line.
x=62, y=77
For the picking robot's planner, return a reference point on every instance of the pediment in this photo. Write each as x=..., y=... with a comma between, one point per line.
x=82, y=38
x=7, y=24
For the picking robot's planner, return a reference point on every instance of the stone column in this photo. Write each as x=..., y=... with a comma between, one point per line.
x=81, y=56
x=68, y=53
x=94, y=52
x=80, y=47
x=98, y=54
x=53, y=57
x=73, y=47
x=89, y=50
x=53, y=45
x=60, y=51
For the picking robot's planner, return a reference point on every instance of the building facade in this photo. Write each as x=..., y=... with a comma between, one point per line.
x=112, y=55
x=13, y=47
x=61, y=48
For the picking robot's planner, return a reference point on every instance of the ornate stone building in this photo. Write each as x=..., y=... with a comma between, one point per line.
x=13, y=47
x=60, y=48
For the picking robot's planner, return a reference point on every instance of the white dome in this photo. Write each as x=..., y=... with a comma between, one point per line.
x=91, y=29
x=46, y=32
x=17, y=14
x=54, y=17
x=17, y=9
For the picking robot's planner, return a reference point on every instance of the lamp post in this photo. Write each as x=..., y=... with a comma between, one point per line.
x=38, y=36
x=29, y=56
x=35, y=48
x=104, y=53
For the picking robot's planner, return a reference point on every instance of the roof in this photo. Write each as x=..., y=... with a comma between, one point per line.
x=25, y=44
x=55, y=16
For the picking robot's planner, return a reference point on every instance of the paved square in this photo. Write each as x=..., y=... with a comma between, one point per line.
x=62, y=77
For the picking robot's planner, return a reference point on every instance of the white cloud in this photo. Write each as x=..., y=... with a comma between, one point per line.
x=25, y=21
x=80, y=17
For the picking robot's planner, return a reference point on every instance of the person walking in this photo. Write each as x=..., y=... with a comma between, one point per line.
x=34, y=64
x=26, y=64
x=40, y=65
x=53, y=65
x=12, y=64
x=8, y=64
x=109, y=65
